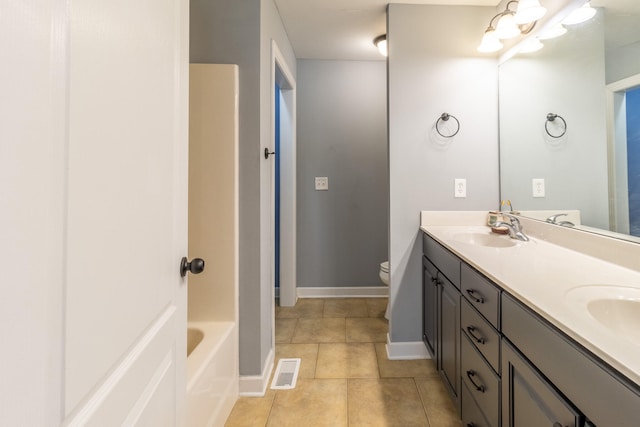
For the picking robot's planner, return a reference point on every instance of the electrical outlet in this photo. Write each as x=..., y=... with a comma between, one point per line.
x=460, y=189
x=538, y=187
x=322, y=183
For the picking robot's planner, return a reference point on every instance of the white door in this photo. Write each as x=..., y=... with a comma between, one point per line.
x=103, y=116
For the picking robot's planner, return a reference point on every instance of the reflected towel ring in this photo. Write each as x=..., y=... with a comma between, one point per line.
x=551, y=117
x=445, y=117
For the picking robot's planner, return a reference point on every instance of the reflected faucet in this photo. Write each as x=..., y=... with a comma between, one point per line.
x=553, y=219
x=514, y=227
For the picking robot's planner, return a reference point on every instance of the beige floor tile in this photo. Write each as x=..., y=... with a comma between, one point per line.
x=345, y=307
x=251, y=411
x=368, y=329
x=384, y=403
x=437, y=403
x=319, y=330
x=376, y=306
x=305, y=307
x=314, y=402
x=403, y=368
x=307, y=352
x=347, y=360
x=285, y=329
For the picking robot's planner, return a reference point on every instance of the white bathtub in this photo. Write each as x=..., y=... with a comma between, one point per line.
x=212, y=372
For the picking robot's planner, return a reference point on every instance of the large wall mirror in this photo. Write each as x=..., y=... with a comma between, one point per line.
x=570, y=123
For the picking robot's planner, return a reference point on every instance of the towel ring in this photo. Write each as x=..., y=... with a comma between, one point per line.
x=445, y=117
x=551, y=117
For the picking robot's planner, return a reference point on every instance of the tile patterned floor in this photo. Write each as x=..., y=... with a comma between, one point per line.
x=345, y=378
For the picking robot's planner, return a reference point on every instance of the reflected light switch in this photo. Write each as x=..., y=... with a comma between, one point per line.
x=538, y=187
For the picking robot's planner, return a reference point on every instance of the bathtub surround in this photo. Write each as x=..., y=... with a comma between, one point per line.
x=212, y=366
x=426, y=78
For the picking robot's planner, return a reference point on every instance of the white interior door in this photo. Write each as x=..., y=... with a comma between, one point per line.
x=125, y=314
x=93, y=189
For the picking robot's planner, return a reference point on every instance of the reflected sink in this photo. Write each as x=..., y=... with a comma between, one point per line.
x=615, y=307
x=485, y=239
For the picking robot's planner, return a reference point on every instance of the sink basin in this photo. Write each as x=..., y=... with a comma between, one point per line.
x=615, y=307
x=485, y=239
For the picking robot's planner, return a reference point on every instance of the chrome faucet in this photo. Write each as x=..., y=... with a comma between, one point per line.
x=514, y=227
x=553, y=219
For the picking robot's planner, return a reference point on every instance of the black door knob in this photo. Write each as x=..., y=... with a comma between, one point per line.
x=195, y=266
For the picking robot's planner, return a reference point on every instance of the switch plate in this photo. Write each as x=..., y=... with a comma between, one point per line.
x=538, y=187
x=322, y=183
x=460, y=189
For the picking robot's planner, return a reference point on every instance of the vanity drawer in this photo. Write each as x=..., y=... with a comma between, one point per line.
x=481, y=334
x=472, y=416
x=444, y=260
x=483, y=383
x=482, y=294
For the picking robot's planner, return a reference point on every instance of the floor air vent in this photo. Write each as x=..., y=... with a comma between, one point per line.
x=286, y=374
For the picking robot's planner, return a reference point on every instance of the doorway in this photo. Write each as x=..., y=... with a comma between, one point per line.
x=633, y=159
x=623, y=99
x=283, y=119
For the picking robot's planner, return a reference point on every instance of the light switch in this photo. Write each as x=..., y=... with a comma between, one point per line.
x=460, y=189
x=322, y=183
x=538, y=187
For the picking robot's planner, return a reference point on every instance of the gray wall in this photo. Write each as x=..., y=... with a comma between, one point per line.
x=434, y=68
x=342, y=134
x=240, y=32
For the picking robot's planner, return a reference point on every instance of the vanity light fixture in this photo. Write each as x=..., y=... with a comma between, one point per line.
x=580, y=15
x=490, y=43
x=529, y=11
x=511, y=23
x=381, y=44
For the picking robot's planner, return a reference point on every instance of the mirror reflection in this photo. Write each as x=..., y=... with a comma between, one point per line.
x=570, y=123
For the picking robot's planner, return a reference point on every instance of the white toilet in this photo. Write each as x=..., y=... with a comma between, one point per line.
x=384, y=276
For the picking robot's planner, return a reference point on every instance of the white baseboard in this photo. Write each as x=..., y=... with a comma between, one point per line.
x=256, y=385
x=408, y=350
x=346, y=292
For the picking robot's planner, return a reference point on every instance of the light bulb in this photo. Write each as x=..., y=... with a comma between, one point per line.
x=381, y=44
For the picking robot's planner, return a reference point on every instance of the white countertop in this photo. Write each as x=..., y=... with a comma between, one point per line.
x=543, y=275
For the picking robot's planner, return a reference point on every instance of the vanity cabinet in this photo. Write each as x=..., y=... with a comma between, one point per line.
x=506, y=366
x=441, y=294
x=429, y=307
x=449, y=336
x=529, y=399
x=480, y=356
x=604, y=396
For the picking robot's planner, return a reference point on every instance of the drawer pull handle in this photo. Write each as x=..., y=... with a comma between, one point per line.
x=434, y=280
x=470, y=375
x=472, y=294
x=470, y=330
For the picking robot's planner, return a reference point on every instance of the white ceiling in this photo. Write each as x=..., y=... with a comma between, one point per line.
x=343, y=29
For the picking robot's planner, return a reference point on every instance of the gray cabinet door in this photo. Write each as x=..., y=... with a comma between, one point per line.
x=449, y=336
x=429, y=295
x=528, y=400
